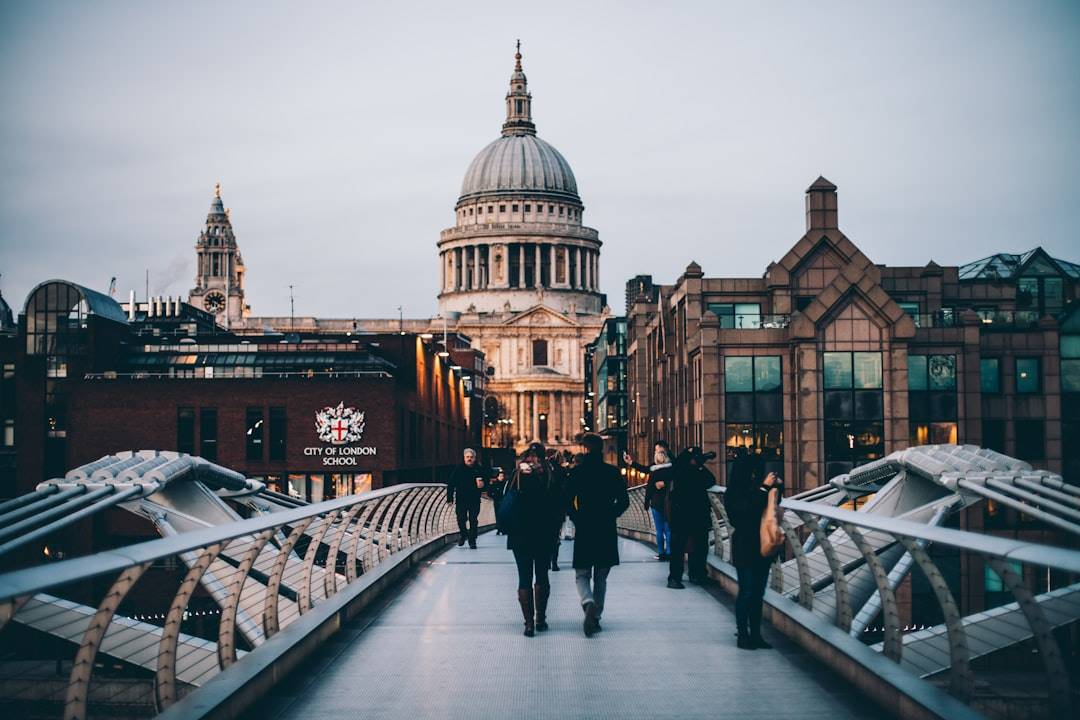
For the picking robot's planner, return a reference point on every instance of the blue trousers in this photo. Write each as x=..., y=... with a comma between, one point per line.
x=663, y=532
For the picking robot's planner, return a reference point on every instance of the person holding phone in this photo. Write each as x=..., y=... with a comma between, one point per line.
x=467, y=483
x=657, y=477
x=533, y=541
x=745, y=500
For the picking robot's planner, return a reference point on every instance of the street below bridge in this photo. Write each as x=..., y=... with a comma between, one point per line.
x=447, y=644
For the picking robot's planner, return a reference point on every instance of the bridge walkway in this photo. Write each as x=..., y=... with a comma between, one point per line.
x=448, y=644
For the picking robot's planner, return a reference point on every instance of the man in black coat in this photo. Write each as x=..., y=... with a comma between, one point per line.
x=690, y=514
x=466, y=484
x=597, y=496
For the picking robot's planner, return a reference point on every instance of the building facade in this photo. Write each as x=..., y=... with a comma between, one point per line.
x=519, y=278
x=219, y=275
x=314, y=417
x=829, y=361
x=604, y=409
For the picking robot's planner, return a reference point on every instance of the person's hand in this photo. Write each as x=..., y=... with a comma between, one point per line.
x=627, y=459
x=479, y=484
x=771, y=480
x=659, y=484
x=526, y=468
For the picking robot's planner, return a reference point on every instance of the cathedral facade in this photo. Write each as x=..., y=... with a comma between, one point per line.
x=518, y=275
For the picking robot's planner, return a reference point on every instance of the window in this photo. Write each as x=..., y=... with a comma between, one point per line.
x=551, y=209
x=254, y=436
x=993, y=434
x=1040, y=295
x=932, y=404
x=1070, y=363
x=208, y=434
x=514, y=207
x=502, y=208
x=9, y=433
x=931, y=372
x=539, y=352
x=854, y=410
x=1027, y=375
x=912, y=309
x=753, y=408
x=56, y=367
x=9, y=370
x=277, y=433
x=528, y=207
x=1030, y=439
x=990, y=376
x=185, y=431
x=737, y=315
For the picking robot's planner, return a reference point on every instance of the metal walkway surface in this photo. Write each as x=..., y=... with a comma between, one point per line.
x=449, y=645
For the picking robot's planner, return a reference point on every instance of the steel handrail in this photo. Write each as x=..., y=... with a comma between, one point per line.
x=42, y=577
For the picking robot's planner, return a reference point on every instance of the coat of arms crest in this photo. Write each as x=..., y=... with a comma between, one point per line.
x=339, y=425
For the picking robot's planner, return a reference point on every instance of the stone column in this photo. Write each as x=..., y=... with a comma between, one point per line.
x=537, y=276
x=596, y=270
x=577, y=275
x=588, y=271
x=476, y=267
x=458, y=255
x=535, y=433
x=521, y=266
x=566, y=269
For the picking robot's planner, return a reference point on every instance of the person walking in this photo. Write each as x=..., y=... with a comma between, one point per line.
x=690, y=514
x=467, y=483
x=657, y=477
x=559, y=473
x=532, y=538
x=745, y=500
x=597, y=497
x=496, y=487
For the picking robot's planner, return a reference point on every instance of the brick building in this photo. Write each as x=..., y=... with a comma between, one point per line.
x=94, y=377
x=828, y=360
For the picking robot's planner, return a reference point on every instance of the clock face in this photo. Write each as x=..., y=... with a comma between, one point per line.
x=214, y=302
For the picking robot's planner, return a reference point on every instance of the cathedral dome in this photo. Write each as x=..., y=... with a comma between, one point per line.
x=519, y=164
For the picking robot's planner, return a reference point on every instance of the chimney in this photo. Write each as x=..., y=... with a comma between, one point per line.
x=821, y=206
x=131, y=306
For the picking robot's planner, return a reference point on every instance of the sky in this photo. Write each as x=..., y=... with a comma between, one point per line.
x=340, y=133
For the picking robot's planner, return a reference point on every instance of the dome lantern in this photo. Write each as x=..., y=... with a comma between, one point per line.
x=518, y=102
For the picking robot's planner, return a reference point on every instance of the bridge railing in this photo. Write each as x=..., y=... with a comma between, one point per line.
x=131, y=631
x=846, y=568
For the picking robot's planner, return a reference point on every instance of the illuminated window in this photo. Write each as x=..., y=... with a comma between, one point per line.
x=1027, y=375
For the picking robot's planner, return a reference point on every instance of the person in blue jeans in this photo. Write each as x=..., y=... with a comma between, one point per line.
x=656, y=487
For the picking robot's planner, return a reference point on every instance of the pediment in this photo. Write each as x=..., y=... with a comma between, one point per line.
x=542, y=316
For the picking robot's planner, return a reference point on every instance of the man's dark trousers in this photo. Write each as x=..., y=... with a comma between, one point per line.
x=468, y=514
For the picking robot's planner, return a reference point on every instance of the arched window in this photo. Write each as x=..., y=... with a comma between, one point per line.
x=540, y=352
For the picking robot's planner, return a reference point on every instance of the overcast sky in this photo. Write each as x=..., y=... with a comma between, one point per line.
x=341, y=133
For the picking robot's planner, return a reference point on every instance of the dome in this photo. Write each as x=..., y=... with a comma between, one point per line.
x=519, y=164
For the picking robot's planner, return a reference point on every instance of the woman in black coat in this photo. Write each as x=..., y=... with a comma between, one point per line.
x=533, y=540
x=745, y=500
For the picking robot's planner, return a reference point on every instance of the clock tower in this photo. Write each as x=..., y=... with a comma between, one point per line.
x=219, y=277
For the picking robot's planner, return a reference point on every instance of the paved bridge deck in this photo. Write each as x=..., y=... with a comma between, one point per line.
x=449, y=645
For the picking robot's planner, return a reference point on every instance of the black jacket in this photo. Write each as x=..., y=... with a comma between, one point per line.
x=462, y=484
x=656, y=498
x=688, y=497
x=744, y=503
x=596, y=494
x=541, y=510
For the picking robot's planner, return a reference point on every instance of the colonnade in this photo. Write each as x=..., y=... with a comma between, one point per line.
x=526, y=265
x=561, y=411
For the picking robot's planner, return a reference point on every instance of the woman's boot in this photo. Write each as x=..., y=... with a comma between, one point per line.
x=525, y=600
x=541, y=593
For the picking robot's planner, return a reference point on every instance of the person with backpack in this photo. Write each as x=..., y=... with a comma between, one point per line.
x=597, y=497
x=745, y=501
